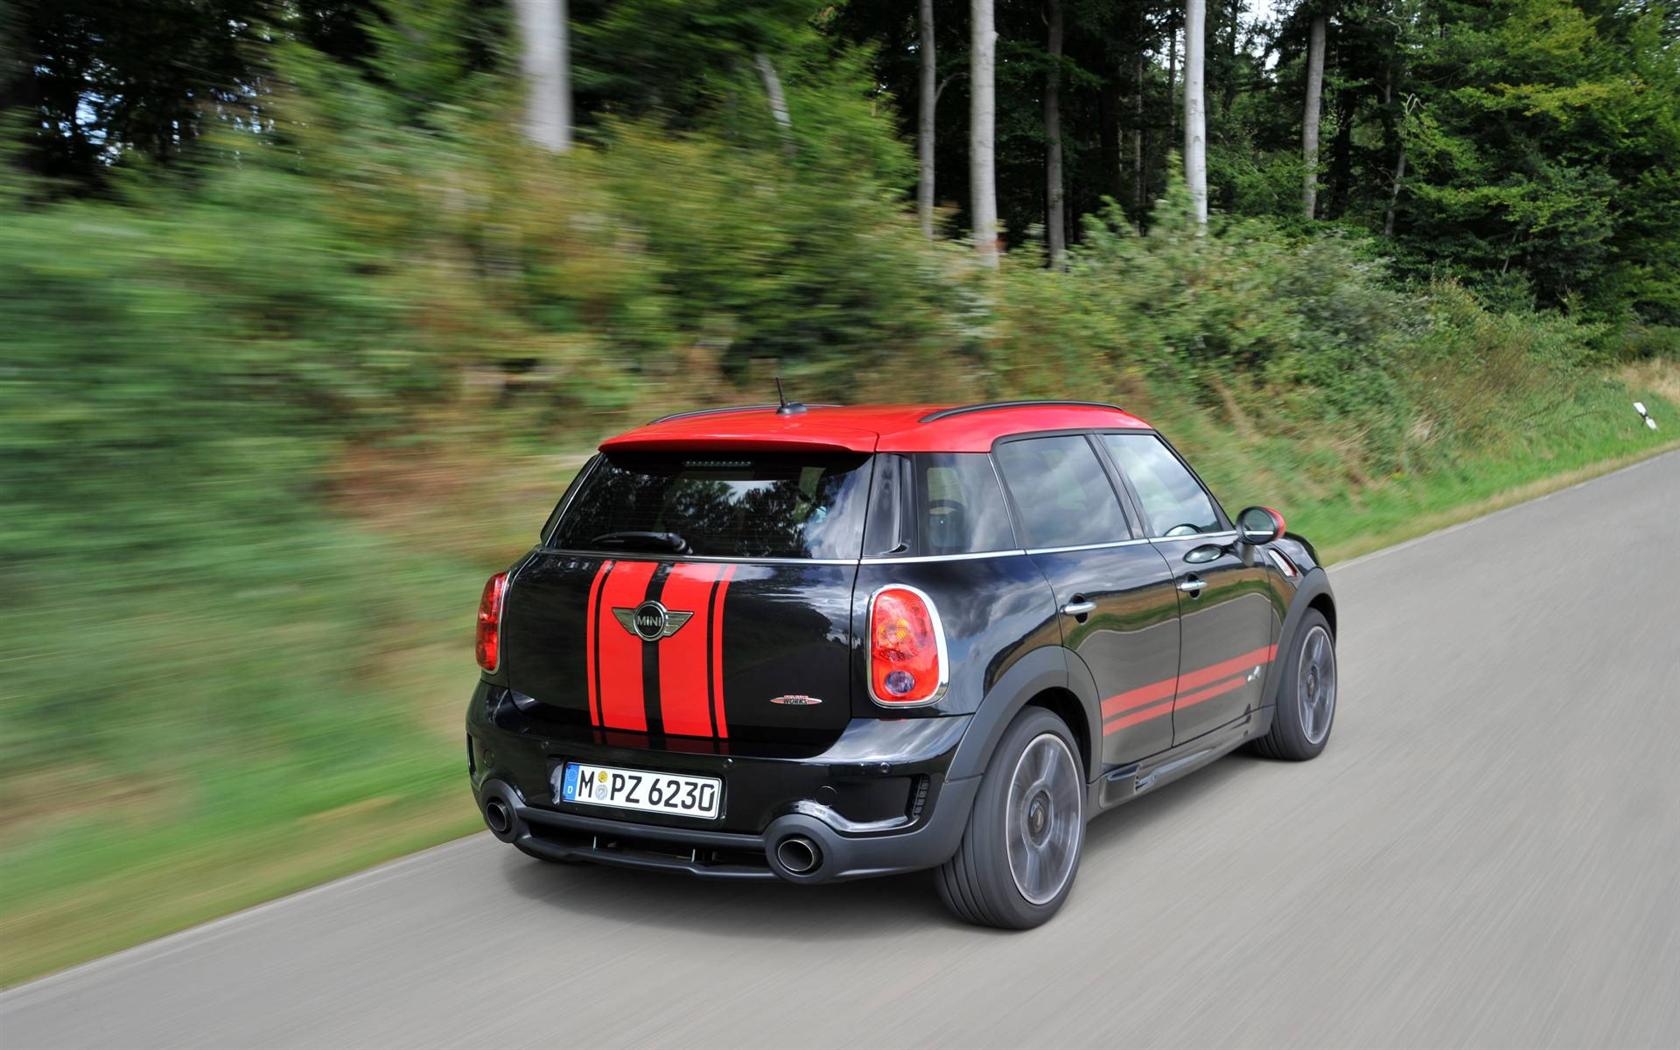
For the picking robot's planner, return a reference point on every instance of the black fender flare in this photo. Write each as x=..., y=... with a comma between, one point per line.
x=1315, y=583
x=1047, y=667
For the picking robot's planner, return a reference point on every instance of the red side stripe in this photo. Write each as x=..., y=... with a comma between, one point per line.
x=1225, y=668
x=1162, y=690
x=1115, y=725
x=1220, y=672
x=1230, y=685
x=716, y=615
x=590, y=613
x=683, y=696
x=621, y=651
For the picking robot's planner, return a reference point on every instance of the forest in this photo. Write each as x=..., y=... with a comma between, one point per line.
x=309, y=310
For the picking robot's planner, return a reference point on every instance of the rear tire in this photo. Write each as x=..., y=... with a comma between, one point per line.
x=1306, y=699
x=1020, y=851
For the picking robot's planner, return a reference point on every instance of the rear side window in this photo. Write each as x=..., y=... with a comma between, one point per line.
x=740, y=505
x=959, y=508
x=1174, y=502
x=1062, y=493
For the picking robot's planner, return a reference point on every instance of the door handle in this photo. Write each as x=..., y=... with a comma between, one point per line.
x=1080, y=607
x=1192, y=586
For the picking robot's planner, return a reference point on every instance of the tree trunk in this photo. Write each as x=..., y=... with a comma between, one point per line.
x=982, y=164
x=543, y=61
x=1394, y=192
x=1172, y=82
x=1138, y=191
x=924, y=123
x=773, y=90
x=1195, y=108
x=1391, y=124
x=1055, y=229
x=1309, y=120
x=1341, y=153
x=1111, y=136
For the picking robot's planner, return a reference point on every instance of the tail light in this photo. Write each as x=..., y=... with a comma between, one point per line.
x=906, y=647
x=490, y=622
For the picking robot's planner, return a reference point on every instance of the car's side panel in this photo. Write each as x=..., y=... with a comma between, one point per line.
x=1130, y=640
x=1230, y=631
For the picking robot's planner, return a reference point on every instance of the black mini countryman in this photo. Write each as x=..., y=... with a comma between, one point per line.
x=821, y=642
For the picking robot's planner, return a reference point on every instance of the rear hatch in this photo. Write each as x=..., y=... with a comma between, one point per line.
x=696, y=596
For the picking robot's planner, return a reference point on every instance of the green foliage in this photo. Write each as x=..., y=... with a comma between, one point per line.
x=271, y=411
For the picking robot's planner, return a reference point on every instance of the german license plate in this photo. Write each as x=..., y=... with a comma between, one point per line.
x=640, y=789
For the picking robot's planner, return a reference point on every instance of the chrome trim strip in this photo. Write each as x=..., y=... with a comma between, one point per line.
x=1199, y=537
x=1084, y=547
x=911, y=559
x=939, y=647
x=627, y=555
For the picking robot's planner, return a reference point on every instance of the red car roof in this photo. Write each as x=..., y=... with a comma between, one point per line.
x=869, y=428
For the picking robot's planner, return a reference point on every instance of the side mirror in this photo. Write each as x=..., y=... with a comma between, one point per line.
x=1259, y=525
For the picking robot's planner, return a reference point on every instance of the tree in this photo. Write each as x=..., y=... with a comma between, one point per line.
x=928, y=100
x=1054, y=225
x=543, y=61
x=982, y=132
x=1195, y=108
x=1309, y=119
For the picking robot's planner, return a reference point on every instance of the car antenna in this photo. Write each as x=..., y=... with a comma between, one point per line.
x=785, y=407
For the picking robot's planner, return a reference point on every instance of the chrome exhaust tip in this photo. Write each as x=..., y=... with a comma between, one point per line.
x=798, y=855
x=498, y=816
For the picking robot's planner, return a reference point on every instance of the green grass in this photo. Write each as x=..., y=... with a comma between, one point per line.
x=184, y=740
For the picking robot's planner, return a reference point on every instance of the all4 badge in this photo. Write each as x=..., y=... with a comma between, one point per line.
x=795, y=700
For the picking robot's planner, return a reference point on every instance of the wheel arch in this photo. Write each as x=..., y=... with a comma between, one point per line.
x=1049, y=678
x=1313, y=595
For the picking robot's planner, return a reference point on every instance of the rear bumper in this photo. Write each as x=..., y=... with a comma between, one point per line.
x=874, y=802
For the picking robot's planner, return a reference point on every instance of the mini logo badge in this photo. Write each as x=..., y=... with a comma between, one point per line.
x=651, y=621
x=796, y=700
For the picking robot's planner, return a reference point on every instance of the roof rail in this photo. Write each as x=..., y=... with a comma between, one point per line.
x=962, y=410
x=720, y=411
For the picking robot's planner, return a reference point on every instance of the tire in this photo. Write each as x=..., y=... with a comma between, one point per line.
x=1306, y=698
x=1020, y=851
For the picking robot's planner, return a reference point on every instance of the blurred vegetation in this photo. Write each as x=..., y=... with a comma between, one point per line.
x=277, y=393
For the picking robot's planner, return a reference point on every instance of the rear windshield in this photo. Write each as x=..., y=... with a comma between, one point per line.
x=733, y=505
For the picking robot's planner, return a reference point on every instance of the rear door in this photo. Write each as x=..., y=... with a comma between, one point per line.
x=1228, y=616
x=1119, y=611
x=694, y=596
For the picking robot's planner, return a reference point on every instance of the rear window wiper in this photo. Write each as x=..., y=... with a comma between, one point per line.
x=671, y=541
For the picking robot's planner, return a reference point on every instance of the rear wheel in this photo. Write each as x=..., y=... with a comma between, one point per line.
x=1021, y=849
x=1306, y=702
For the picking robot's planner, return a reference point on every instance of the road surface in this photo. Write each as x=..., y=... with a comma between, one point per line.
x=1488, y=854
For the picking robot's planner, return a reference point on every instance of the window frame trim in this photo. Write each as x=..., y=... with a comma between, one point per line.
x=1018, y=520
x=1223, y=519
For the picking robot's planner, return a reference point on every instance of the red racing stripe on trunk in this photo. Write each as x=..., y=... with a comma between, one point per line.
x=620, y=680
x=714, y=621
x=591, y=634
x=684, y=689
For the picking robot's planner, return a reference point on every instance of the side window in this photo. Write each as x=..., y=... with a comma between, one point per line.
x=1174, y=502
x=959, y=507
x=1061, y=492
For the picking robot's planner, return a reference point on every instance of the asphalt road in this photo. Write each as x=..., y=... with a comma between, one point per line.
x=1487, y=855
